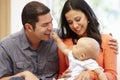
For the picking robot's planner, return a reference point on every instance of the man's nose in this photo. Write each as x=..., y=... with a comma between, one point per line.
x=50, y=26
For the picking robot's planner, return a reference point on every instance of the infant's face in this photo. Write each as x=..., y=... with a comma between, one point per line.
x=78, y=53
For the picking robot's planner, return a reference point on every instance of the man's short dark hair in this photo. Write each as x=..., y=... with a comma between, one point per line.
x=31, y=11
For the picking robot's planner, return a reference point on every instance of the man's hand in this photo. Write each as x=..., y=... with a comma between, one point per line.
x=27, y=75
x=113, y=44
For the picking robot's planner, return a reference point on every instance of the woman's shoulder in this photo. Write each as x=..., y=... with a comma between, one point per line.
x=105, y=37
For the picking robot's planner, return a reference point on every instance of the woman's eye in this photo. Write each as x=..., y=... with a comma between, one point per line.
x=78, y=19
x=70, y=22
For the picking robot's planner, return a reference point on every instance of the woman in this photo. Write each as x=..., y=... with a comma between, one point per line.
x=78, y=20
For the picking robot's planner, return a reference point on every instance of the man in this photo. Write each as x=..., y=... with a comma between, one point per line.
x=30, y=54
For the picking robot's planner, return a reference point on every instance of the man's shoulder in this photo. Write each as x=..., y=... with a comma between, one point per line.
x=10, y=39
x=58, y=31
x=6, y=39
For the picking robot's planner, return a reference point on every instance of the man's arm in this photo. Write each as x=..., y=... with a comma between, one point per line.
x=9, y=77
x=60, y=44
x=27, y=75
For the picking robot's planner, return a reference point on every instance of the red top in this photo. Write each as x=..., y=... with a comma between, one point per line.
x=106, y=59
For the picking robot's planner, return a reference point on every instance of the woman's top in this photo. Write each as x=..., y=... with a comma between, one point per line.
x=107, y=59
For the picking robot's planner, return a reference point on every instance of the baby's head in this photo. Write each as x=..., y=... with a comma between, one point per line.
x=86, y=48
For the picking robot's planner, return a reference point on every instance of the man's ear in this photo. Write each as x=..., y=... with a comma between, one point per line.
x=28, y=27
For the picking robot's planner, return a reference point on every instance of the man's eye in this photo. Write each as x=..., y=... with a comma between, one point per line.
x=44, y=25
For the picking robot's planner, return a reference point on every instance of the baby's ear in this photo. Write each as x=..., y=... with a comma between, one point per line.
x=83, y=56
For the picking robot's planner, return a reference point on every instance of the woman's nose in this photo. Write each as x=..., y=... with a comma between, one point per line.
x=75, y=25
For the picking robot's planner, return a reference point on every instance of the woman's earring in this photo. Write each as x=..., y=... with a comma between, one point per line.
x=88, y=21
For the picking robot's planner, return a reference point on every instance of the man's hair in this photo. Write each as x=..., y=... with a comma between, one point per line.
x=31, y=11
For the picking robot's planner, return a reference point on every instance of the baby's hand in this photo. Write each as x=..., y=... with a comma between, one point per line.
x=54, y=35
x=59, y=79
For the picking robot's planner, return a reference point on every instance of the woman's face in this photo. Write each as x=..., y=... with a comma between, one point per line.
x=77, y=22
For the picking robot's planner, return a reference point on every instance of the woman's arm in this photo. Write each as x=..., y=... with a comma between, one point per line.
x=109, y=59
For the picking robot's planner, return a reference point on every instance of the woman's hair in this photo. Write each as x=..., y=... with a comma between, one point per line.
x=93, y=25
x=31, y=11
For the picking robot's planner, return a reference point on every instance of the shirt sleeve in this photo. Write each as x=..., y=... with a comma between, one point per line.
x=5, y=69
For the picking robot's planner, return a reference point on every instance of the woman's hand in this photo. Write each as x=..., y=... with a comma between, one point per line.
x=113, y=44
x=66, y=74
x=83, y=76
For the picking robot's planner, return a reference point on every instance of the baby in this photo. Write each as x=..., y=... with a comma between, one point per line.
x=82, y=56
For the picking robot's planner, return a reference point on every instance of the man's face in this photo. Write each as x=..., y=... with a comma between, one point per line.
x=43, y=27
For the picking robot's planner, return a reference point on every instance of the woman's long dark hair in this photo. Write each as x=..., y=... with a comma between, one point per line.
x=93, y=25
